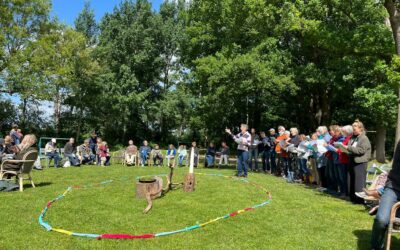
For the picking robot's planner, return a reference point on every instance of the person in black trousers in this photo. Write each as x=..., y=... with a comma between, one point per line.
x=359, y=148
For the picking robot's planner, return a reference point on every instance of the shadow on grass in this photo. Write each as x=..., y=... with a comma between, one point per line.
x=41, y=184
x=364, y=240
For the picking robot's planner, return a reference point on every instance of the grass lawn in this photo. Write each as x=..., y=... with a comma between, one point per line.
x=298, y=217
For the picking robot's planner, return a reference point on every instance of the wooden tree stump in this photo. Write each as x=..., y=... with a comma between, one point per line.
x=149, y=186
x=190, y=182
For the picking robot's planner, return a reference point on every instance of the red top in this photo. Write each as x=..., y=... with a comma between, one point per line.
x=329, y=154
x=103, y=151
x=343, y=157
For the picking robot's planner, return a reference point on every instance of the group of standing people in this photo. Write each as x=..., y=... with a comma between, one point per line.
x=335, y=159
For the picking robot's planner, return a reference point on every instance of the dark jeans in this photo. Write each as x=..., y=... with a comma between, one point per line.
x=279, y=164
x=357, y=174
x=266, y=157
x=54, y=156
x=381, y=221
x=303, y=167
x=343, y=172
x=210, y=159
x=253, y=154
x=181, y=158
x=330, y=176
x=107, y=162
x=88, y=159
x=242, y=166
x=158, y=160
x=144, y=157
x=73, y=159
x=321, y=175
x=273, y=161
x=287, y=165
x=93, y=147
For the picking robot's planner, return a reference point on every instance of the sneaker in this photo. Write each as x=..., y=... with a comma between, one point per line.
x=362, y=195
x=371, y=198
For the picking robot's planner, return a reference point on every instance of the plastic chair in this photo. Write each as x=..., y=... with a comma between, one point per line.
x=27, y=161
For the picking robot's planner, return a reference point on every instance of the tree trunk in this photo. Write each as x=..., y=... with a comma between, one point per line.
x=380, y=140
x=394, y=18
x=57, y=111
x=23, y=118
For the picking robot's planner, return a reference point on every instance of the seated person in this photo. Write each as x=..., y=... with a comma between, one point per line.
x=93, y=142
x=131, y=154
x=51, y=152
x=158, y=157
x=182, y=153
x=210, y=155
x=70, y=152
x=25, y=146
x=85, y=154
x=224, y=154
x=103, y=155
x=196, y=151
x=144, y=153
x=15, y=139
x=171, y=153
x=8, y=150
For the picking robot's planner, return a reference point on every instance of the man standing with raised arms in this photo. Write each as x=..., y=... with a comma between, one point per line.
x=243, y=139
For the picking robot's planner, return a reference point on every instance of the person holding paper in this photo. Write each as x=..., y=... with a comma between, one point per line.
x=265, y=150
x=273, y=135
x=359, y=148
x=280, y=141
x=332, y=171
x=303, y=153
x=343, y=167
x=253, y=150
x=243, y=139
x=323, y=138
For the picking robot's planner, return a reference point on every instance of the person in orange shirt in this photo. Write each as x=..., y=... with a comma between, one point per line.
x=280, y=141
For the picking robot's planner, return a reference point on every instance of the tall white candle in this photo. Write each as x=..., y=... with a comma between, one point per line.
x=191, y=161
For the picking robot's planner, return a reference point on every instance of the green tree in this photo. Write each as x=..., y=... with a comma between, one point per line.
x=56, y=58
x=21, y=21
x=86, y=24
x=130, y=53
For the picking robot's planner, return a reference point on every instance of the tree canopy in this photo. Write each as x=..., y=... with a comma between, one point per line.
x=190, y=70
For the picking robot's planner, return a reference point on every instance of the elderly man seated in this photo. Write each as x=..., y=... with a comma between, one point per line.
x=51, y=152
x=85, y=153
x=70, y=152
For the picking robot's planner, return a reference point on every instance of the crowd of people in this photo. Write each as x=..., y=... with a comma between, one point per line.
x=335, y=159
x=93, y=151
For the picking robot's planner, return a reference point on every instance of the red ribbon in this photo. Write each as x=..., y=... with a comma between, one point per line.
x=126, y=236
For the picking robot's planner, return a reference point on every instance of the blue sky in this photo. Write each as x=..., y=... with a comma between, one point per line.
x=68, y=10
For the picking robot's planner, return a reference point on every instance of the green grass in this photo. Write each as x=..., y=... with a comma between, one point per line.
x=298, y=217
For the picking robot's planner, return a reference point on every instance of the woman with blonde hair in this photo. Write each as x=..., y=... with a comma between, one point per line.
x=359, y=148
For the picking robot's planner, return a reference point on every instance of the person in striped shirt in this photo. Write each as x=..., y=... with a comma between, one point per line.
x=243, y=139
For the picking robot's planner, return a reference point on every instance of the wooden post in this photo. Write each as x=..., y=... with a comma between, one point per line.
x=189, y=179
x=189, y=183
